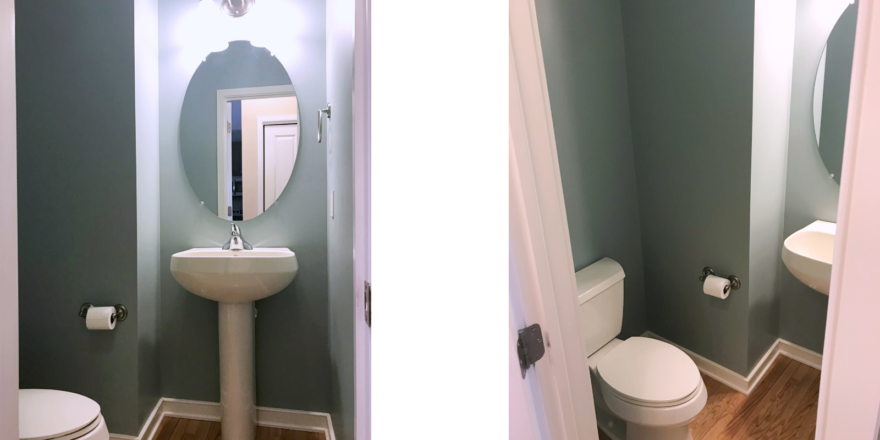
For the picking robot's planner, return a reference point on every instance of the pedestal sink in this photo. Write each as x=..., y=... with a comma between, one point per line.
x=808, y=254
x=235, y=279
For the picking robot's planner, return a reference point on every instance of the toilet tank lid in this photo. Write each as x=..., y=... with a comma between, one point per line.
x=46, y=414
x=595, y=278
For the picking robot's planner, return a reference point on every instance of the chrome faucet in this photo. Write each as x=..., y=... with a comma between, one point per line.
x=236, y=241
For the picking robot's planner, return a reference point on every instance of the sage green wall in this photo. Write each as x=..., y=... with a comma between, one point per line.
x=810, y=193
x=293, y=363
x=771, y=95
x=340, y=228
x=582, y=43
x=78, y=201
x=689, y=71
x=94, y=201
x=682, y=114
x=146, y=83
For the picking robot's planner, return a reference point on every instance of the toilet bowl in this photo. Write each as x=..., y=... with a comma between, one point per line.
x=650, y=386
x=59, y=415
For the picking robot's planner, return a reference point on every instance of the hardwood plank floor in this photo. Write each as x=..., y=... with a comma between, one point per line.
x=781, y=407
x=173, y=428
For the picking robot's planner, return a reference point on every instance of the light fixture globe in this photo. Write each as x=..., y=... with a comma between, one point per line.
x=236, y=8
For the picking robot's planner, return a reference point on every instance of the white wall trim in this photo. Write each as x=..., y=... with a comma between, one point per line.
x=800, y=354
x=9, y=224
x=361, y=104
x=849, y=393
x=210, y=411
x=743, y=384
x=191, y=409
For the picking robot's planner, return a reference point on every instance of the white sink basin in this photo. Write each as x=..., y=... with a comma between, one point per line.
x=234, y=276
x=235, y=279
x=808, y=254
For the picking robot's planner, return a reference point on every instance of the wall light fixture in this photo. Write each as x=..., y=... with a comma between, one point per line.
x=236, y=8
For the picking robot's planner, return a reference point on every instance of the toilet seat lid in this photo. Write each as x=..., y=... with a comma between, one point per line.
x=650, y=371
x=46, y=414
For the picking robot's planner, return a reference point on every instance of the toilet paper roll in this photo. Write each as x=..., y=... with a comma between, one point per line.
x=716, y=286
x=101, y=318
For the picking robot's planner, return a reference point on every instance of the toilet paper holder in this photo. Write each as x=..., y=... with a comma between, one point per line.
x=120, y=315
x=734, y=281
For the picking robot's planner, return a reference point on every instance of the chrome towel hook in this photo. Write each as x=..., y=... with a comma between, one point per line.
x=321, y=120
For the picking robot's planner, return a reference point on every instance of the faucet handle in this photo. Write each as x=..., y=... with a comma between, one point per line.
x=235, y=231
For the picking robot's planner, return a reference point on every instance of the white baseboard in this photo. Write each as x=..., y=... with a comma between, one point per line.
x=191, y=409
x=211, y=411
x=149, y=427
x=800, y=354
x=735, y=380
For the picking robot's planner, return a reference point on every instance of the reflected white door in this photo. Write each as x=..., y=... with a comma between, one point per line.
x=224, y=208
x=279, y=155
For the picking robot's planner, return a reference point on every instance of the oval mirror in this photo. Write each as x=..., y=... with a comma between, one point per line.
x=831, y=91
x=239, y=132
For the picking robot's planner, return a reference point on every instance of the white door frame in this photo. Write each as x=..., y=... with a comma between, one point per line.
x=9, y=226
x=263, y=121
x=224, y=164
x=361, y=167
x=849, y=393
x=540, y=245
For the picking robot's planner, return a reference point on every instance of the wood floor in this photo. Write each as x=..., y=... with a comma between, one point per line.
x=173, y=428
x=781, y=407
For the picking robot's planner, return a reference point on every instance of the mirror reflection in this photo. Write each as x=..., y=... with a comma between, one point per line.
x=831, y=91
x=239, y=131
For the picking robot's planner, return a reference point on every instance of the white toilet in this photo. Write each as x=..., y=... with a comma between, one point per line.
x=652, y=387
x=59, y=415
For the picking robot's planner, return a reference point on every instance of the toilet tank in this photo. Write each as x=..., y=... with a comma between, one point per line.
x=600, y=303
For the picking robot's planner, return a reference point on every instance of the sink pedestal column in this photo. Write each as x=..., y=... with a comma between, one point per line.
x=237, y=397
